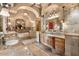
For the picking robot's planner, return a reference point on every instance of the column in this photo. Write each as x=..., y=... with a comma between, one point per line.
x=38, y=29
x=4, y=24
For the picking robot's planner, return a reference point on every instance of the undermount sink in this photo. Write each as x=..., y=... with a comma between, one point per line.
x=12, y=42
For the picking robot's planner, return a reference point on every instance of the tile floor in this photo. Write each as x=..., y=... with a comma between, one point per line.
x=27, y=48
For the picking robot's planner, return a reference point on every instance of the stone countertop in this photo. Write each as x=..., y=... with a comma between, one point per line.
x=56, y=34
x=72, y=34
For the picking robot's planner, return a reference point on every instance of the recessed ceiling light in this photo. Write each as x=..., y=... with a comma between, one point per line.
x=9, y=23
x=7, y=5
x=25, y=14
x=25, y=48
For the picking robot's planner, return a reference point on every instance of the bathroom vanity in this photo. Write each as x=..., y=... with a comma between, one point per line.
x=55, y=41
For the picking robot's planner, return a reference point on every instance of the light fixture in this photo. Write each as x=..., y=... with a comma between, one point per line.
x=64, y=26
x=4, y=12
x=25, y=14
x=53, y=16
x=18, y=22
x=9, y=23
x=25, y=48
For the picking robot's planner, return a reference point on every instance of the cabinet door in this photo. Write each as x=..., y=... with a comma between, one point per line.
x=60, y=46
x=53, y=42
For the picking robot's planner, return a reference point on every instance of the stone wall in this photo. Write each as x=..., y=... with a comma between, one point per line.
x=72, y=34
x=72, y=46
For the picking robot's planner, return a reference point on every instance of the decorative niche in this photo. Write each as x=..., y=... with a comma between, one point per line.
x=20, y=25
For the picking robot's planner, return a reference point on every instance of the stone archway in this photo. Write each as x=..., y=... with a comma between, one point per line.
x=15, y=10
x=53, y=6
x=30, y=9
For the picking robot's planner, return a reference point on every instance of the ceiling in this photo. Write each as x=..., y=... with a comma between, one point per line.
x=35, y=10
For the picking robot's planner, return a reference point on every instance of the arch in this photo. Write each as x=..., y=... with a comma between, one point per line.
x=30, y=9
x=53, y=6
x=22, y=17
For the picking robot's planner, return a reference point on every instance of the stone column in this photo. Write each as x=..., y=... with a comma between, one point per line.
x=38, y=29
x=38, y=24
x=72, y=45
x=43, y=13
x=72, y=34
x=4, y=24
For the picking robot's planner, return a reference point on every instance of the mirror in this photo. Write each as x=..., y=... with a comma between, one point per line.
x=54, y=25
